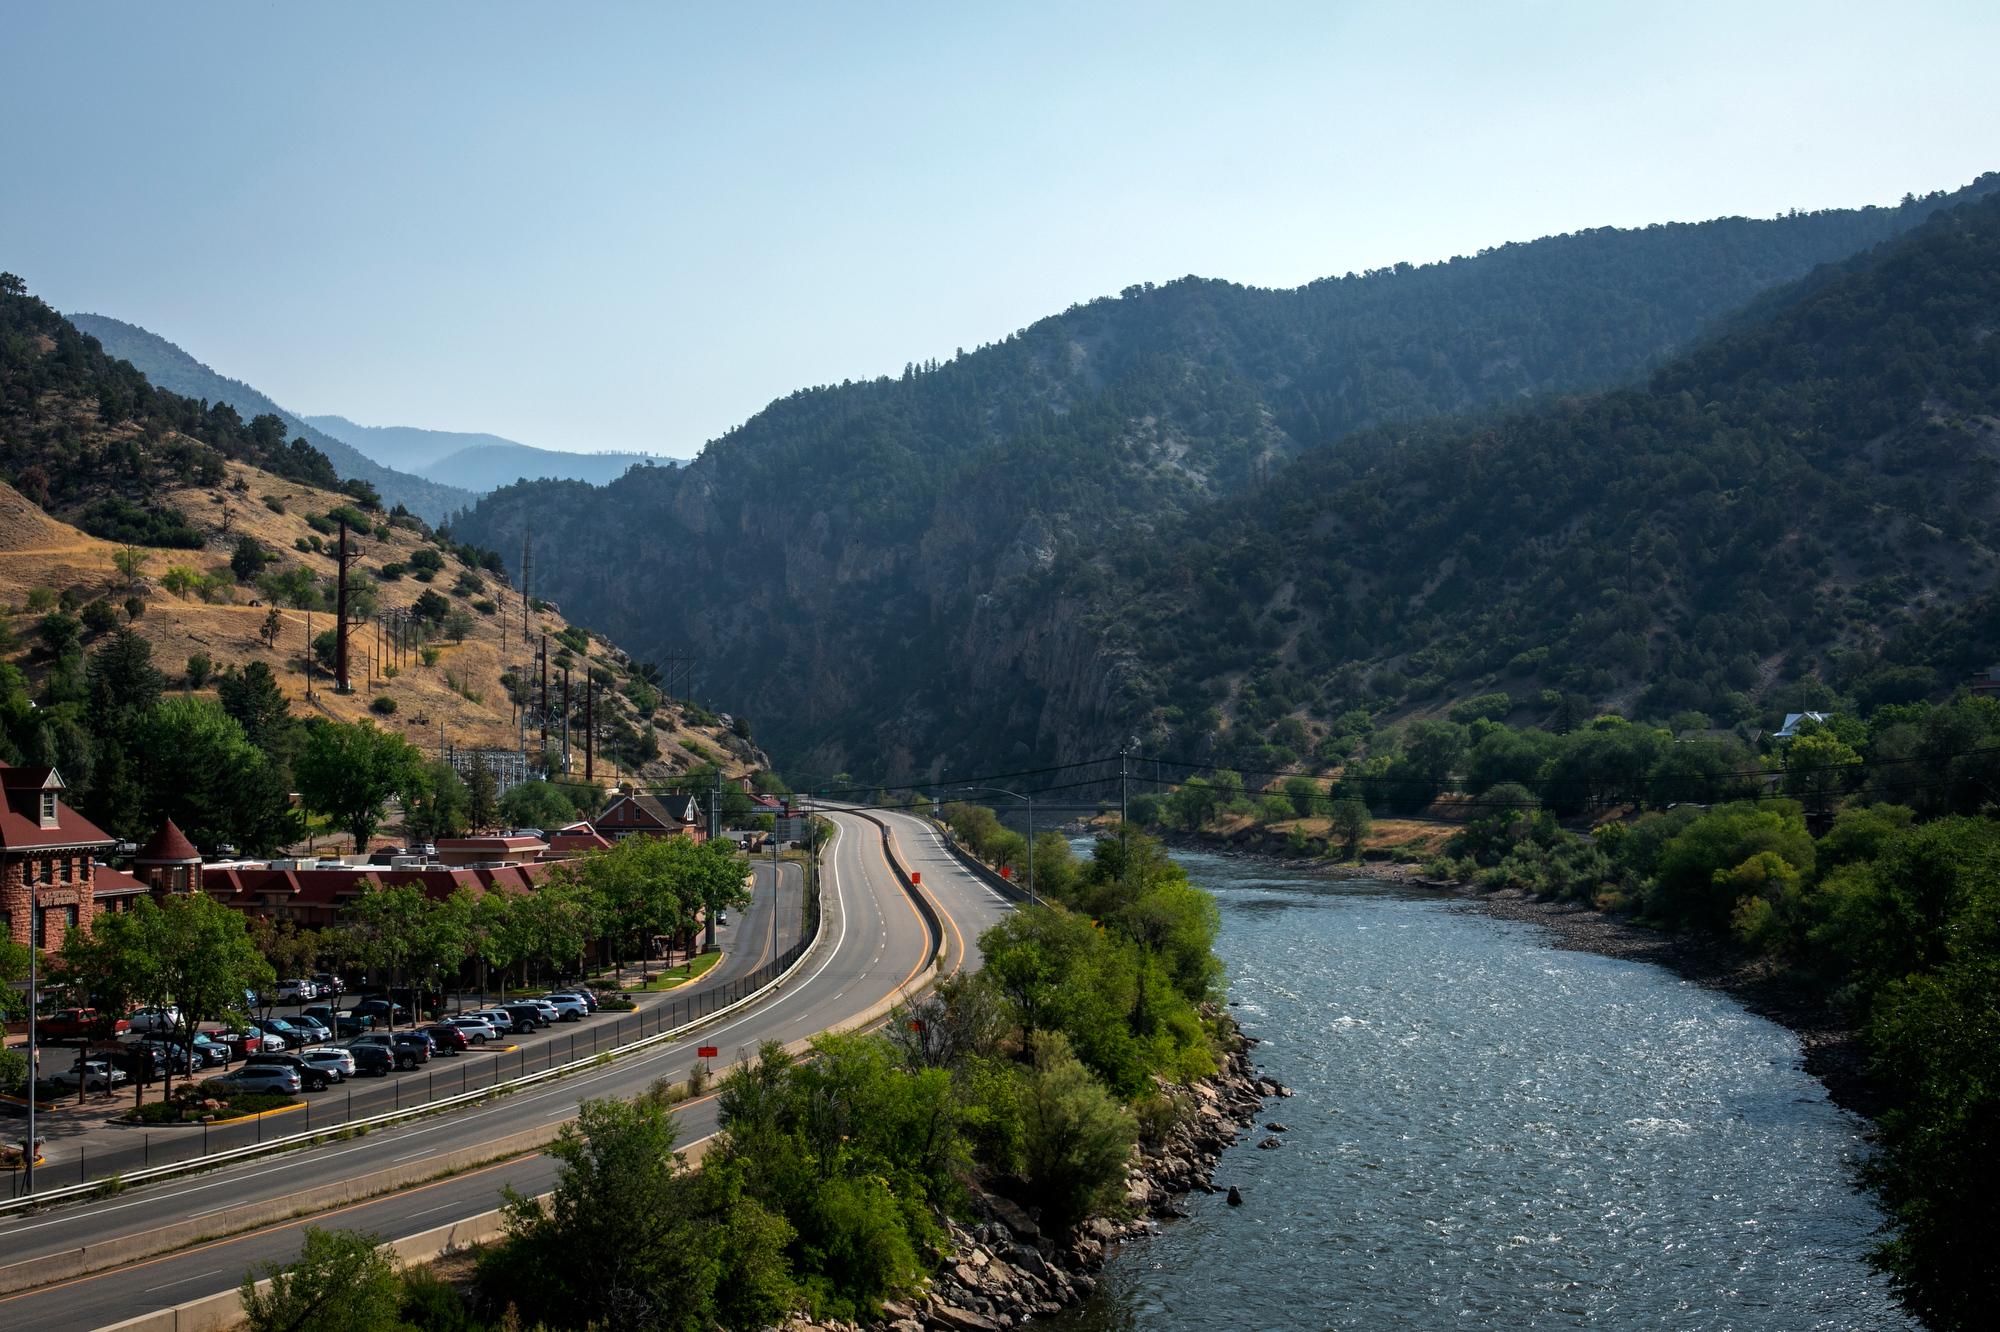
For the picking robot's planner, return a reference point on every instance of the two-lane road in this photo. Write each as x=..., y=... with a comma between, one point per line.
x=874, y=943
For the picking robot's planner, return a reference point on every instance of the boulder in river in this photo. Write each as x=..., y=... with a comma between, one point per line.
x=1235, y=1196
x=1269, y=1143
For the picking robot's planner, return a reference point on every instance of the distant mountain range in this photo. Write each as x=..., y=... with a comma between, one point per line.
x=166, y=366
x=432, y=473
x=476, y=462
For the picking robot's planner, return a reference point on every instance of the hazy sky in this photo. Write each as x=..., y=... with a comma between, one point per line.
x=629, y=226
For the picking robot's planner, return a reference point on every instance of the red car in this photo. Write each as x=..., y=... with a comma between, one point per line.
x=77, y=1023
x=448, y=1037
x=240, y=1043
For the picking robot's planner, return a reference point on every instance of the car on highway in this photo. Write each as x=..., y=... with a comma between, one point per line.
x=568, y=1007
x=296, y=990
x=261, y=1078
x=95, y=1073
x=154, y=1019
x=448, y=1039
x=77, y=1023
x=478, y=1030
x=496, y=1018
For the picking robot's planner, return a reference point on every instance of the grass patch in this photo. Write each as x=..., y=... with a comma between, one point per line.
x=674, y=977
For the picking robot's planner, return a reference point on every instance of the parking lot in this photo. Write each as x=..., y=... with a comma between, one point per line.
x=84, y=1141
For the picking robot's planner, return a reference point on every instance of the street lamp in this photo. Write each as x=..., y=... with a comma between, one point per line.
x=1030, y=801
x=34, y=953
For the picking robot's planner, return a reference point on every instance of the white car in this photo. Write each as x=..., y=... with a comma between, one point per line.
x=335, y=1061
x=477, y=1029
x=550, y=1013
x=296, y=991
x=98, y=1074
x=499, y=1019
x=568, y=1007
x=155, y=1019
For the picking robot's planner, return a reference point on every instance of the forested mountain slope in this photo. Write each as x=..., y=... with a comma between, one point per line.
x=167, y=367
x=836, y=557
x=1800, y=510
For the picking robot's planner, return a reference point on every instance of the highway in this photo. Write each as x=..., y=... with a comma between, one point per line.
x=873, y=944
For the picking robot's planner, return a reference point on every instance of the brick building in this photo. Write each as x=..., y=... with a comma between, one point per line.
x=45, y=843
x=674, y=815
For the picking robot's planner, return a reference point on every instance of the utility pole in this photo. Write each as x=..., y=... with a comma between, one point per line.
x=1124, y=840
x=589, y=724
x=565, y=721
x=714, y=805
x=340, y=683
x=545, y=696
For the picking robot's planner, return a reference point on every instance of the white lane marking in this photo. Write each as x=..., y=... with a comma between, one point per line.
x=428, y=1210
x=411, y=1156
x=184, y=1280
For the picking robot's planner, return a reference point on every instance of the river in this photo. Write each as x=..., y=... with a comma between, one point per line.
x=1491, y=1132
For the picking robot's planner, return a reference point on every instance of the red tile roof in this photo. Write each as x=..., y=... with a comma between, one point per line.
x=108, y=882
x=168, y=845
x=21, y=814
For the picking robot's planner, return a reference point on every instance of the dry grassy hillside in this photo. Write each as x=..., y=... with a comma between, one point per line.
x=43, y=560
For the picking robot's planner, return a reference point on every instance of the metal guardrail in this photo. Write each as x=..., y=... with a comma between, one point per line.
x=136, y=1165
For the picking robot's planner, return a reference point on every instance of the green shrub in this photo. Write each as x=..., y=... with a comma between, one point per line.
x=382, y=704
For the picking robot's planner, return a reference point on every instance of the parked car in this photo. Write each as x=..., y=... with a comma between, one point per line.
x=154, y=1019
x=278, y=1034
x=550, y=1013
x=386, y=1012
x=477, y=1029
x=447, y=1038
x=311, y=1076
x=99, y=1075
x=329, y=984
x=315, y=1031
x=262, y=1078
x=526, y=1017
x=240, y=1040
x=205, y=1051
x=148, y=1063
x=330, y=1057
x=297, y=990
x=374, y=1059
x=211, y=1051
x=78, y=1023
x=342, y=1025
x=496, y=1018
x=568, y=1007
x=406, y=1052
x=171, y=1053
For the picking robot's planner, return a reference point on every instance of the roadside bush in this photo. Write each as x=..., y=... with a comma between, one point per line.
x=340, y=1282
x=1076, y=1136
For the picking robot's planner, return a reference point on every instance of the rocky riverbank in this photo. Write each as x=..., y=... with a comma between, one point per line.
x=1004, y=1269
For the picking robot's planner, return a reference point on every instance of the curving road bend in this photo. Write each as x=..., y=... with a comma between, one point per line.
x=873, y=945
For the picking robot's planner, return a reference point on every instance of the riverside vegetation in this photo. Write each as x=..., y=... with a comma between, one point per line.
x=1857, y=863
x=838, y=1181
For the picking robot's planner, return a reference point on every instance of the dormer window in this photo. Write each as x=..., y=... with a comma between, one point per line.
x=48, y=809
